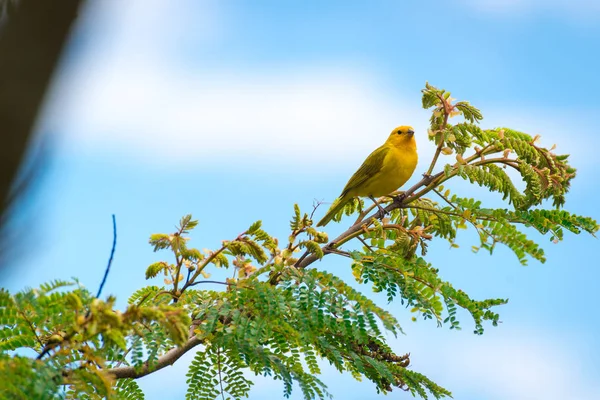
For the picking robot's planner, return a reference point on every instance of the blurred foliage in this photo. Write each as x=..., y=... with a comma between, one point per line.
x=278, y=315
x=33, y=34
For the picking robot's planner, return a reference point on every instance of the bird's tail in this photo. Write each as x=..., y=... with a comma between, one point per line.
x=333, y=210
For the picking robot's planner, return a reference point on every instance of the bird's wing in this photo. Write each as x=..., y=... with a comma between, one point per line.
x=368, y=169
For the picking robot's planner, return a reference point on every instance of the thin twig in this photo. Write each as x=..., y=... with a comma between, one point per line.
x=112, y=253
x=365, y=243
x=316, y=205
x=435, y=211
x=445, y=199
x=178, y=260
x=340, y=252
x=364, y=213
x=120, y=362
x=206, y=261
x=511, y=163
x=187, y=279
x=22, y=313
x=462, y=216
x=217, y=282
x=438, y=150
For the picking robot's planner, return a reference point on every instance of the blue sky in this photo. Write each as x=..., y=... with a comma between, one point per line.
x=233, y=111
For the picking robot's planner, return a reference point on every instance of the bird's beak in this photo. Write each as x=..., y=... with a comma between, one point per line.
x=411, y=132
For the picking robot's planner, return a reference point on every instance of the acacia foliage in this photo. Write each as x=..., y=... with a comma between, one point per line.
x=279, y=314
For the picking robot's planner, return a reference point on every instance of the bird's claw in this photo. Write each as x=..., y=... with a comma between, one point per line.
x=428, y=178
x=399, y=198
x=381, y=213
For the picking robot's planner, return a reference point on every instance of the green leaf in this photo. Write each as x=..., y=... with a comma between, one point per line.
x=155, y=268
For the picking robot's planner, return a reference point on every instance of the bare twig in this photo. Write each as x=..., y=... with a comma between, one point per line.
x=187, y=279
x=445, y=199
x=112, y=253
x=48, y=347
x=128, y=351
x=316, y=204
x=365, y=243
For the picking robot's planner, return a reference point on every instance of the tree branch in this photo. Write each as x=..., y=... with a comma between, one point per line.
x=358, y=226
x=428, y=183
x=165, y=360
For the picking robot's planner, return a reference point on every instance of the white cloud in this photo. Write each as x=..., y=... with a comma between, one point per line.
x=158, y=112
x=319, y=115
x=125, y=94
x=141, y=28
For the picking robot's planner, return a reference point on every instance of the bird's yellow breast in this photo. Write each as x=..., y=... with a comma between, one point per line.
x=398, y=166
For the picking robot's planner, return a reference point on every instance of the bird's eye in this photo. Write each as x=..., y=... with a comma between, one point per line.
x=399, y=132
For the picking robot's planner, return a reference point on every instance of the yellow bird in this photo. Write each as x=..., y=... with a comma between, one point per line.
x=384, y=171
